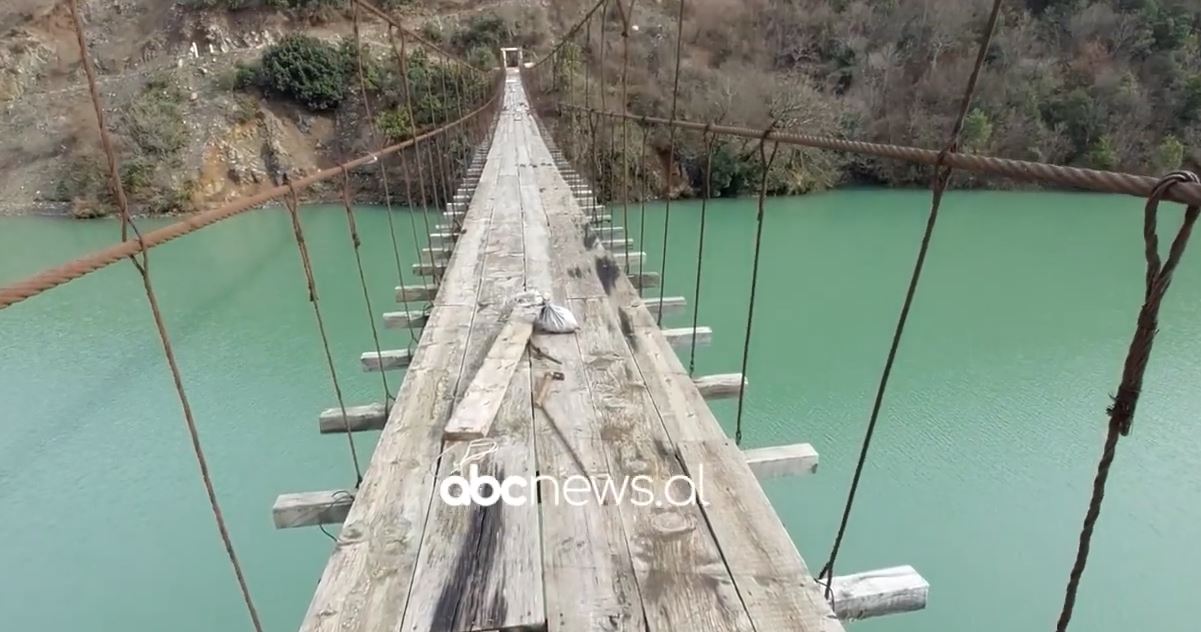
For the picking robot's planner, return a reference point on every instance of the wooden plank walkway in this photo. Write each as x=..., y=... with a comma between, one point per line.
x=608, y=402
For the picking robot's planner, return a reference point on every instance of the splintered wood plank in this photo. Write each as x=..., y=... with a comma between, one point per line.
x=681, y=575
x=479, y=567
x=591, y=585
x=772, y=578
x=586, y=563
x=366, y=582
x=473, y=417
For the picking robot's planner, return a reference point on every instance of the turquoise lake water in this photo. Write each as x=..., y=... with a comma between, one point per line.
x=979, y=474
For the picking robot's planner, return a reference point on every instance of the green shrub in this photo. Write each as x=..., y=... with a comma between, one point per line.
x=394, y=124
x=1101, y=154
x=155, y=119
x=1168, y=155
x=306, y=70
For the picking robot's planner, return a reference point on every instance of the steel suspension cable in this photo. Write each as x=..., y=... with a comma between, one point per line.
x=373, y=127
x=404, y=167
x=939, y=183
x=644, y=173
x=402, y=57
x=765, y=163
x=141, y=263
x=627, y=17
x=707, y=141
x=671, y=157
x=356, y=243
x=292, y=203
x=1121, y=411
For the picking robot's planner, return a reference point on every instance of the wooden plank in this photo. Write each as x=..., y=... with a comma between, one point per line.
x=720, y=385
x=417, y=292
x=880, y=592
x=412, y=319
x=427, y=269
x=682, y=337
x=781, y=460
x=644, y=280
x=479, y=567
x=358, y=418
x=385, y=360
x=307, y=509
x=682, y=579
x=585, y=560
x=616, y=245
x=772, y=578
x=366, y=583
x=624, y=258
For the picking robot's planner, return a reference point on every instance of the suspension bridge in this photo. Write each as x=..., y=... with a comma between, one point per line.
x=485, y=388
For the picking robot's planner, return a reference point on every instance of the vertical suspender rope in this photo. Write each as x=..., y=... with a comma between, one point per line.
x=645, y=193
x=599, y=184
x=942, y=177
x=590, y=156
x=355, y=242
x=707, y=141
x=625, y=135
x=1121, y=412
x=402, y=57
x=383, y=172
x=404, y=164
x=143, y=268
x=292, y=202
x=765, y=163
x=671, y=159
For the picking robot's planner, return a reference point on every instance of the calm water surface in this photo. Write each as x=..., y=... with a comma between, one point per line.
x=978, y=477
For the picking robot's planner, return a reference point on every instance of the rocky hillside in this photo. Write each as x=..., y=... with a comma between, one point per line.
x=1113, y=84
x=192, y=130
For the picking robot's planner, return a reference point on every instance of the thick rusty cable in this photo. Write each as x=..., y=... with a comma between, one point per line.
x=940, y=181
x=1121, y=411
x=292, y=203
x=671, y=158
x=707, y=141
x=402, y=60
x=356, y=243
x=765, y=162
x=1037, y=172
x=373, y=128
x=143, y=268
x=592, y=162
x=82, y=266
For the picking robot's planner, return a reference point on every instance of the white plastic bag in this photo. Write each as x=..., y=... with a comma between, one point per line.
x=556, y=319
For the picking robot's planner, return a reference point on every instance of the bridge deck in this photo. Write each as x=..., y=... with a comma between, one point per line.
x=624, y=407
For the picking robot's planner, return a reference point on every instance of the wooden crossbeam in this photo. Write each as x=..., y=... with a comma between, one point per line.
x=617, y=244
x=782, y=460
x=627, y=259
x=358, y=418
x=720, y=386
x=307, y=509
x=427, y=269
x=643, y=280
x=386, y=360
x=681, y=337
x=880, y=592
x=670, y=304
x=417, y=292
x=412, y=319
